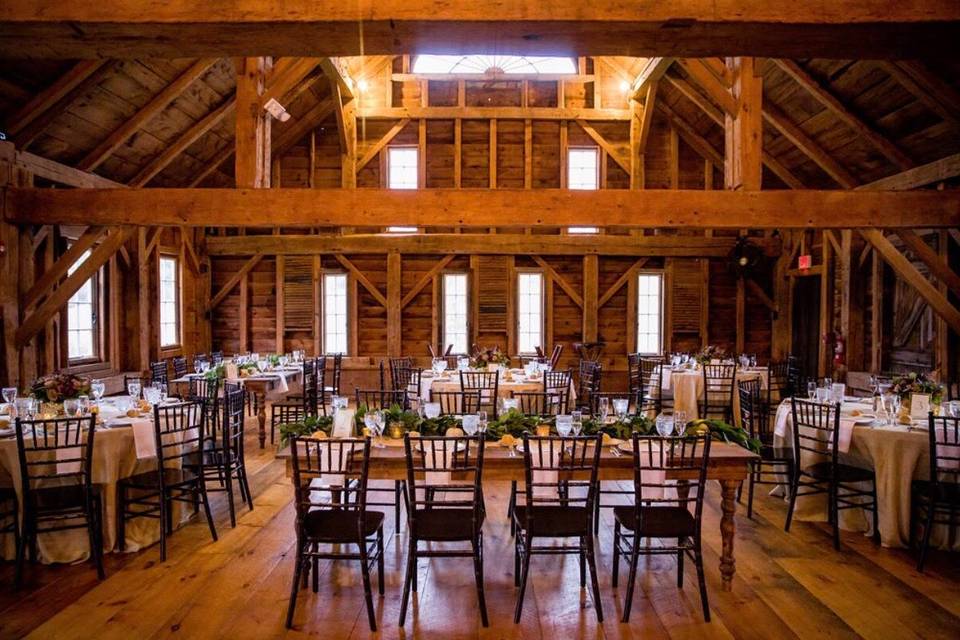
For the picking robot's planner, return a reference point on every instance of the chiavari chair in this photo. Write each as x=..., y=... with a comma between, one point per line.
x=299, y=407
x=589, y=383
x=179, y=366
x=559, y=383
x=456, y=403
x=487, y=383
x=774, y=461
x=224, y=451
x=538, y=403
x=718, y=389
x=936, y=501
x=158, y=373
x=555, y=356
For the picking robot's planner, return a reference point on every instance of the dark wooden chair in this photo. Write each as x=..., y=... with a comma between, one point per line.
x=180, y=475
x=158, y=373
x=487, y=383
x=379, y=399
x=779, y=386
x=774, y=462
x=407, y=378
x=634, y=404
x=589, y=382
x=56, y=476
x=718, y=389
x=937, y=500
x=555, y=356
x=206, y=390
x=561, y=479
x=650, y=374
x=456, y=403
x=395, y=364
x=179, y=366
x=445, y=505
x=332, y=378
x=223, y=450
x=330, y=494
x=538, y=403
x=662, y=508
x=796, y=382
x=816, y=430
x=299, y=407
x=559, y=383
x=216, y=358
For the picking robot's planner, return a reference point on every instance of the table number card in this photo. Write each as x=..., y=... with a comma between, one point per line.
x=919, y=406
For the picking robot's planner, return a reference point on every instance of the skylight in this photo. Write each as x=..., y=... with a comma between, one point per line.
x=493, y=65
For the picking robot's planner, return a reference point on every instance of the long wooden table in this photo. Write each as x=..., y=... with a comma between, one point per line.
x=728, y=465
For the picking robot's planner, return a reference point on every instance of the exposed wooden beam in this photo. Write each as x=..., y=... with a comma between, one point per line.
x=54, y=171
x=701, y=74
x=475, y=243
x=45, y=283
x=360, y=277
x=700, y=144
x=569, y=289
x=936, y=171
x=15, y=92
x=252, y=128
x=393, y=305
x=284, y=80
x=931, y=258
x=591, y=308
x=146, y=113
x=149, y=246
x=371, y=151
x=841, y=111
x=810, y=148
x=616, y=152
x=55, y=302
x=336, y=71
x=489, y=113
x=743, y=127
x=480, y=78
x=842, y=29
x=651, y=73
x=426, y=279
x=761, y=295
x=622, y=280
x=938, y=96
x=33, y=117
x=486, y=208
x=905, y=269
x=234, y=280
x=346, y=113
x=181, y=144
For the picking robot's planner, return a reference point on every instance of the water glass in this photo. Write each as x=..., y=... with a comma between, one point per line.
x=664, y=424
x=25, y=407
x=509, y=403
x=811, y=389
x=604, y=409
x=97, y=387
x=564, y=425
x=837, y=391
x=431, y=410
x=620, y=407
x=827, y=383
x=71, y=407
x=482, y=420
x=463, y=363
x=84, y=402
x=823, y=395
x=576, y=418
x=134, y=387
x=9, y=394
x=470, y=423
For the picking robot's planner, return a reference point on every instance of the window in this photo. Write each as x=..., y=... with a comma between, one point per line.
x=335, y=313
x=402, y=168
x=529, y=311
x=650, y=313
x=402, y=229
x=494, y=65
x=455, y=312
x=82, y=343
x=582, y=230
x=169, y=301
x=583, y=168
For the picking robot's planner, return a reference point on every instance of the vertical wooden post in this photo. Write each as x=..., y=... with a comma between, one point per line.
x=143, y=300
x=422, y=154
x=825, y=351
x=457, y=152
x=527, y=154
x=317, y=305
x=312, y=165
x=28, y=356
x=674, y=161
x=11, y=305
x=493, y=154
x=591, y=284
x=781, y=325
x=636, y=158
x=876, y=312
x=851, y=303
x=244, y=341
x=252, y=157
x=394, y=328
x=741, y=314
x=941, y=354
x=563, y=152
x=279, y=284
x=50, y=331
x=743, y=130
x=704, y=302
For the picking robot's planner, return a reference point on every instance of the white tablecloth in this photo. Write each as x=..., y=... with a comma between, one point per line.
x=451, y=382
x=686, y=387
x=897, y=456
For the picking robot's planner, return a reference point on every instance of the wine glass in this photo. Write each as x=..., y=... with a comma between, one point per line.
x=811, y=389
x=98, y=388
x=482, y=420
x=827, y=383
x=620, y=406
x=84, y=405
x=680, y=421
x=9, y=394
x=262, y=365
x=134, y=387
x=70, y=407
x=604, y=409
x=576, y=420
x=664, y=425
x=370, y=422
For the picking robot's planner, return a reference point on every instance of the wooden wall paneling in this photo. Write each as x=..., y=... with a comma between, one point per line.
x=50, y=331
x=511, y=268
x=705, y=302
x=492, y=165
x=394, y=308
x=472, y=294
x=590, y=297
x=851, y=302
x=825, y=351
x=49, y=278
x=548, y=311
x=114, y=323
x=674, y=159
x=11, y=307
x=493, y=286
x=281, y=310
x=244, y=313
x=741, y=315
x=782, y=321
x=932, y=258
x=527, y=153
x=143, y=300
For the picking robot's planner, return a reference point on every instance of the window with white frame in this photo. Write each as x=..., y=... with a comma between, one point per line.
x=82, y=342
x=529, y=311
x=650, y=313
x=402, y=167
x=169, y=301
x=583, y=168
x=455, y=308
x=335, y=313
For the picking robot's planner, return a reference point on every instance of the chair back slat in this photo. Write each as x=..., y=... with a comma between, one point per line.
x=718, y=389
x=179, y=366
x=559, y=382
x=179, y=433
x=55, y=451
x=456, y=403
x=444, y=472
x=752, y=416
x=944, y=432
x=779, y=386
x=590, y=374
x=554, y=461
x=555, y=356
x=487, y=382
x=320, y=465
x=234, y=401
x=158, y=373
x=670, y=471
x=375, y=399
x=816, y=428
x=538, y=403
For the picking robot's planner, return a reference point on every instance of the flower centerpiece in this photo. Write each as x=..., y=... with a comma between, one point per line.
x=906, y=385
x=57, y=387
x=484, y=358
x=709, y=353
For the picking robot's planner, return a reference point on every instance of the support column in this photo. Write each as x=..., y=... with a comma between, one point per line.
x=743, y=129
x=252, y=157
x=394, y=328
x=590, y=298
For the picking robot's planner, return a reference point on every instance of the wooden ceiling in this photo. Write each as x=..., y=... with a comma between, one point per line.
x=169, y=123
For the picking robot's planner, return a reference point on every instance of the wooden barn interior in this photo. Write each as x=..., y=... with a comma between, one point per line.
x=774, y=183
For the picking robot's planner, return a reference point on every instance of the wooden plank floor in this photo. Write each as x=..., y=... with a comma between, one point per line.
x=787, y=585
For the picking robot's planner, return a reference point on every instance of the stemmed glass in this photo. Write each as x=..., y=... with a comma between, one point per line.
x=680, y=421
x=471, y=424
x=26, y=407
x=811, y=390
x=133, y=388
x=71, y=407
x=576, y=421
x=604, y=409
x=98, y=388
x=9, y=394
x=564, y=426
x=370, y=422
x=262, y=365
x=482, y=420
x=620, y=406
x=84, y=405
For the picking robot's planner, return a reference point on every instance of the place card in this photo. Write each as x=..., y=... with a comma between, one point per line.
x=919, y=406
x=232, y=371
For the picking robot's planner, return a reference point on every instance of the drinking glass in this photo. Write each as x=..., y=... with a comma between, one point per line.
x=262, y=365
x=564, y=425
x=811, y=389
x=441, y=365
x=620, y=407
x=335, y=404
x=9, y=394
x=84, y=402
x=753, y=361
x=895, y=405
x=576, y=418
x=470, y=424
x=604, y=409
x=823, y=395
x=664, y=424
x=482, y=420
x=431, y=410
x=509, y=403
x=70, y=407
x=463, y=363
x=837, y=391
x=133, y=388
x=370, y=422
x=827, y=382
x=680, y=421
x=97, y=387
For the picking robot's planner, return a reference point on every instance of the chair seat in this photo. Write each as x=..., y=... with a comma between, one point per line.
x=657, y=522
x=554, y=521
x=943, y=492
x=776, y=454
x=151, y=479
x=441, y=524
x=337, y=525
x=845, y=472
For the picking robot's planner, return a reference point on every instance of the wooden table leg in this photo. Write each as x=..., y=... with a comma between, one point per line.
x=728, y=506
x=261, y=396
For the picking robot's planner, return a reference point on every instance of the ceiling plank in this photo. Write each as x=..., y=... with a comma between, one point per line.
x=476, y=243
x=841, y=111
x=157, y=104
x=921, y=176
x=50, y=97
x=939, y=97
x=841, y=29
x=335, y=70
x=486, y=207
x=691, y=136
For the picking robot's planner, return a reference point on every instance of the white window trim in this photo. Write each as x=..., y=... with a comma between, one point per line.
x=178, y=294
x=323, y=311
x=543, y=308
x=663, y=310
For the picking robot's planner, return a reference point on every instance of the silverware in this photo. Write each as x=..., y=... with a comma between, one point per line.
x=615, y=452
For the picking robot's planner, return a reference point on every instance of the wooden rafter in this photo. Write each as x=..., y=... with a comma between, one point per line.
x=651, y=73
x=234, y=281
x=151, y=244
x=187, y=241
x=55, y=302
x=285, y=79
x=669, y=208
x=931, y=258
x=335, y=70
x=345, y=109
x=841, y=111
x=937, y=95
x=371, y=151
x=613, y=150
x=621, y=281
x=569, y=289
x=936, y=171
x=701, y=74
x=490, y=113
x=905, y=269
x=133, y=124
x=426, y=279
x=46, y=282
x=360, y=277
x=55, y=171
x=700, y=144
x=809, y=147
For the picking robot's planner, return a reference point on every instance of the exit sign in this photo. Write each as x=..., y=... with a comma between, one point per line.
x=805, y=262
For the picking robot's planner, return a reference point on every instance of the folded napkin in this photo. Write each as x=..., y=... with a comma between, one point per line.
x=784, y=412
x=284, y=387
x=846, y=433
x=144, y=440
